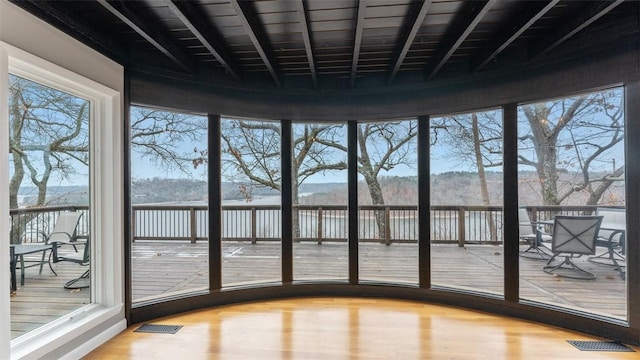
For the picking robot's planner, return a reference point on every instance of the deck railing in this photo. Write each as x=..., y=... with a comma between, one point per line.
x=34, y=223
x=449, y=224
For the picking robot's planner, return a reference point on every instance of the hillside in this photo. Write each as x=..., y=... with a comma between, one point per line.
x=451, y=188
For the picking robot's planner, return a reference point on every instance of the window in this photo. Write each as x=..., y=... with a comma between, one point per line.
x=466, y=201
x=49, y=162
x=169, y=251
x=387, y=201
x=251, y=202
x=572, y=162
x=320, y=193
x=98, y=110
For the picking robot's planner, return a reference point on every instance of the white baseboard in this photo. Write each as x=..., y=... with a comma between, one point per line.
x=96, y=341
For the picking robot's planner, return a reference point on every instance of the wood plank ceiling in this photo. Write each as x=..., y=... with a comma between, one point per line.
x=321, y=45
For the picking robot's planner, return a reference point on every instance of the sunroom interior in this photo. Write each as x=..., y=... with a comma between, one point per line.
x=230, y=151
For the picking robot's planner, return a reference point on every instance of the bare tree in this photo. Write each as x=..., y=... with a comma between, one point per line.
x=162, y=137
x=574, y=135
x=252, y=151
x=384, y=146
x=477, y=143
x=48, y=137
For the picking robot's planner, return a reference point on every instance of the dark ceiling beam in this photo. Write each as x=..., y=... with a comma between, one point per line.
x=144, y=27
x=462, y=37
x=304, y=29
x=357, y=42
x=205, y=33
x=408, y=38
x=76, y=27
x=517, y=27
x=248, y=20
x=590, y=13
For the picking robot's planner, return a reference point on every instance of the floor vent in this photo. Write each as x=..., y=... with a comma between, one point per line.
x=599, y=346
x=158, y=329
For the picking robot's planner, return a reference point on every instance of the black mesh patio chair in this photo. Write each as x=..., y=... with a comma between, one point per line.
x=573, y=236
x=533, y=235
x=612, y=238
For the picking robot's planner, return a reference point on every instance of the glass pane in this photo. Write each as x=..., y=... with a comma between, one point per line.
x=466, y=201
x=320, y=221
x=169, y=203
x=251, y=204
x=571, y=153
x=49, y=203
x=388, y=201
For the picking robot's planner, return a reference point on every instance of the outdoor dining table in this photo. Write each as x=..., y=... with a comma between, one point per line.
x=16, y=252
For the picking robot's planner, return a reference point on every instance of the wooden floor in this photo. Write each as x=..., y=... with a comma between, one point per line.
x=166, y=268
x=348, y=328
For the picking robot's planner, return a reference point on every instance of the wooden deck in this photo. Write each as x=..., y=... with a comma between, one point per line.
x=43, y=297
x=164, y=268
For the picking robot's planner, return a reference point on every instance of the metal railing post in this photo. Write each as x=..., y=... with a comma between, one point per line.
x=461, y=227
x=387, y=226
x=193, y=228
x=254, y=226
x=320, y=234
x=133, y=224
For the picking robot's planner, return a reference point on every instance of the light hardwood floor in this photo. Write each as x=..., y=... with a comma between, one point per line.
x=348, y=328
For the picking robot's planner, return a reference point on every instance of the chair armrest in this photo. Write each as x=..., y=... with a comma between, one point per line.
x=82, y=260
x=69, y=236
x=39, y=234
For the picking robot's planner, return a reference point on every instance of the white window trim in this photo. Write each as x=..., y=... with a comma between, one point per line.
x=106, y=193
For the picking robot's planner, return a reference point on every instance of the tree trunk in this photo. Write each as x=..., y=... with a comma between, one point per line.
x=484, y=190
x=596, y=195
x=375, y=191
x=18, y=166
x=295, y=218
x=548, y=172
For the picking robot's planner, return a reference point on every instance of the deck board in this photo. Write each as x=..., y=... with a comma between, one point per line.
x=166, y=268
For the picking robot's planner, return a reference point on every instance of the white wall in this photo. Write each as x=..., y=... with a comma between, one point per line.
x=20, y=29
x=27, y=33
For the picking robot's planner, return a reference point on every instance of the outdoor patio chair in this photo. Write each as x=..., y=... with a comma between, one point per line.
x=63, y=252
x=573, y=236
x=533, y=235
x=43, y=243
x=612, y=237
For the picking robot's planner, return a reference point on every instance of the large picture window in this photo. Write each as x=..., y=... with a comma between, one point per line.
x=49, y=202
x=466, y=201
x=320, y=193
x=572, y=163
x=62, y=217
x=169, y=251
x=251, y=202
x=387, y=201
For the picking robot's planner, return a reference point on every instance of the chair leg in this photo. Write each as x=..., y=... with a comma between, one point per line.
x=81, y=282
x=569, y=269
x=51, y=254
x=12, y=265
x=535, y=252
x=42, y=261
x=610, y=258
x=21, y=270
